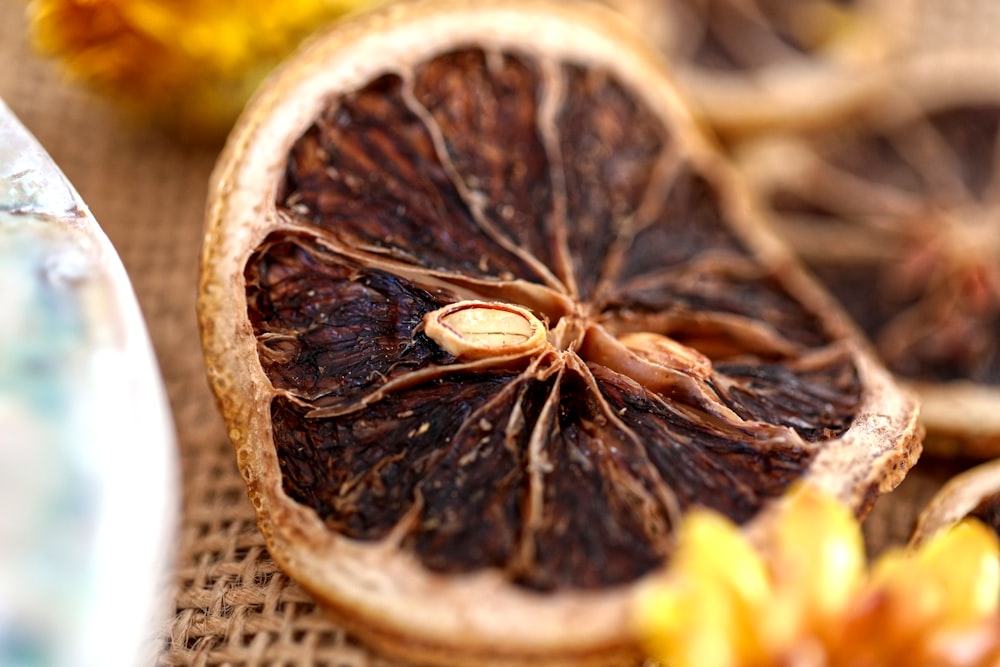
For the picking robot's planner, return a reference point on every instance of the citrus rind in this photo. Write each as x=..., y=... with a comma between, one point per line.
x=977, y=488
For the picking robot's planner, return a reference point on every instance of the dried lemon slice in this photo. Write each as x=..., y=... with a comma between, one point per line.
x=898, y=212
x=751, y=65
x=973, y=493
x=485, y=315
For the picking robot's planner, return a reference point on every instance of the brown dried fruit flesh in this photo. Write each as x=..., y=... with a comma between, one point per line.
x=898, y=212
x=973, y=493
x=753, y=65
x=485, y=315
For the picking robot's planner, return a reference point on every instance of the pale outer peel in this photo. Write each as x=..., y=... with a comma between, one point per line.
x=382, y=593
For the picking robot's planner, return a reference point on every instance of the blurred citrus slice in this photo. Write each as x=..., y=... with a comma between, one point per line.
x=486, y=315
x=932, y=29
x=751, y=65
x=898, y=212
x=971, y=494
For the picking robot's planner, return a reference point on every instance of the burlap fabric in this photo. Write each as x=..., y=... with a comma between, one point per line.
x=230, y=604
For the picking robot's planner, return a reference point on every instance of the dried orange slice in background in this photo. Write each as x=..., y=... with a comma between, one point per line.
x=898, y=212
x=934, y=30
x=486, y=315
x=751, y=65
x=973, y=493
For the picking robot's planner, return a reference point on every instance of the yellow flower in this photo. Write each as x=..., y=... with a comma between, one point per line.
x=805, y=597
x=706, y=618
x=191, y=64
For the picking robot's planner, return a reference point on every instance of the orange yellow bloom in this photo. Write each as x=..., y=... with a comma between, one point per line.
x=806, y=597
x=189, y=63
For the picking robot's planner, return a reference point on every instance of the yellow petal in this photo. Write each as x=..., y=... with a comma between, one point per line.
x=820, y=555
x=951, y=582
x=711, y=609
x=689, y=623
x=965, y=563
x=711, y=547
x=156, y=21
x=189, y=64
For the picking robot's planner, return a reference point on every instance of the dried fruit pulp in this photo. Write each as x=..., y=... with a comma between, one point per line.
x=898, y=214
x=486, y=315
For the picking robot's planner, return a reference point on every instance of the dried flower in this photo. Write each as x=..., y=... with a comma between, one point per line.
x=806, y=597
x=190, y=64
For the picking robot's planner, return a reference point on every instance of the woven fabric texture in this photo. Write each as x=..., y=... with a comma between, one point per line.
x=230, y=605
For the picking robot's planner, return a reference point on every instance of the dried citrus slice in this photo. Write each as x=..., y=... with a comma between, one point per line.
x=486, y=315
x=898, y=212
x=973, y=493
x=933, y=29
x=755, y=64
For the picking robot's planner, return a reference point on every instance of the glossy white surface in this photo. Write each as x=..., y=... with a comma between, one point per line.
x=88, y=486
